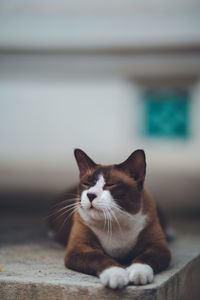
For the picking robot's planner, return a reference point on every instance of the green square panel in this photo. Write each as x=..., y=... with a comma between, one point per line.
x=166, y=113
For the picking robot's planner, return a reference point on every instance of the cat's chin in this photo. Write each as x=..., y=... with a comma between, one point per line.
x=96, y=213
x=91, y=214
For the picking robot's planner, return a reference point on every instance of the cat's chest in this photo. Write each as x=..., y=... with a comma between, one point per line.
x=117, y=243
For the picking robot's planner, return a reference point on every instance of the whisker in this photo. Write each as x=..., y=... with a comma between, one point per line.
x=115, y=217
x=122, y=211
x=107, y=221
x=110, y=220
x=65, y=200
x=61, y=209
x=63, y=213
x=69, y=216
x=104, y=227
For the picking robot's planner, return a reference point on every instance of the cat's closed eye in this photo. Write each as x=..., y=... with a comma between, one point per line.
x=86, y=184
x=109, y=185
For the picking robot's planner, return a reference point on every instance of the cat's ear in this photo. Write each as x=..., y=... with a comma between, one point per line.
x=84, y=162
x=135, y=166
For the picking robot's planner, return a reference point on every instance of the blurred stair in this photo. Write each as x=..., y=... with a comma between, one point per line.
x=34, y=270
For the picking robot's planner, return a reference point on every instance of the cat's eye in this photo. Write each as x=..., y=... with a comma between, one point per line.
x=85, y=183
x=110, y=184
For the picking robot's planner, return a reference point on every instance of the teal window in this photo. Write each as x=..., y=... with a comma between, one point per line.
x=166, y=113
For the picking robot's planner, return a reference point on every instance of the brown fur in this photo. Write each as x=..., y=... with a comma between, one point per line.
x=84, y=252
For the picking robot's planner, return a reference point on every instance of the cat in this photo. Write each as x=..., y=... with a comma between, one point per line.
x=115, y=232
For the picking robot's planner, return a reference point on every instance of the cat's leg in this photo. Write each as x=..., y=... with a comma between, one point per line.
x=154, y=259
x=151, y=254
x=85, y=254
x=114, y=277
x=95, y=262
x=140, y=273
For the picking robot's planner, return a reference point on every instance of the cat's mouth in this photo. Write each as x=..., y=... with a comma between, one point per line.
x=94, y=211
x=93, y=208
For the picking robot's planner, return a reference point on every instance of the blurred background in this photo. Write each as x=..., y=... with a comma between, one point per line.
x=108, y=77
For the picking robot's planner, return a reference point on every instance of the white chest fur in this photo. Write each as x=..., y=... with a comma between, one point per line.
x=118, y=241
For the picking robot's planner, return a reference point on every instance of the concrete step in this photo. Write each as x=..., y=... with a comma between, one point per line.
x=34, y=269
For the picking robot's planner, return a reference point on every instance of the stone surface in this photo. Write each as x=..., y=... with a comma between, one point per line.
x=34, y=269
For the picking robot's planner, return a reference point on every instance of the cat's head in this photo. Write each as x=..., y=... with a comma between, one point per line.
x=110, y=189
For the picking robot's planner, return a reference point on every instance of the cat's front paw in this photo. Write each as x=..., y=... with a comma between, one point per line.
x=140, y=273
x=114, y=277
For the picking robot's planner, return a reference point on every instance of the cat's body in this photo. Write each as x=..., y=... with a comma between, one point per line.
x=116, y=233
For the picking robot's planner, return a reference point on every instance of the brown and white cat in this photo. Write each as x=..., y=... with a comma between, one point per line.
x=115, y=233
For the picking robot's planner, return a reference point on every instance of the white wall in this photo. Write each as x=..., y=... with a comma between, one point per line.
x=68, y=78
x=41, y=123
x=98, y=23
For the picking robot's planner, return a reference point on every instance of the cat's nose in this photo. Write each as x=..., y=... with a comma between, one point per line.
x=91, y=196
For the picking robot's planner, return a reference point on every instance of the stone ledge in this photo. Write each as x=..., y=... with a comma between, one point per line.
x=34, y=269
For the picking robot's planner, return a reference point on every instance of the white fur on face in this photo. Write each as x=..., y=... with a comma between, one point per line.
x=116, y=229
x=102, y=202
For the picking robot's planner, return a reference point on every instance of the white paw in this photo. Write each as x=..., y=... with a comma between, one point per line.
x=140, y=273
x=114, y=277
